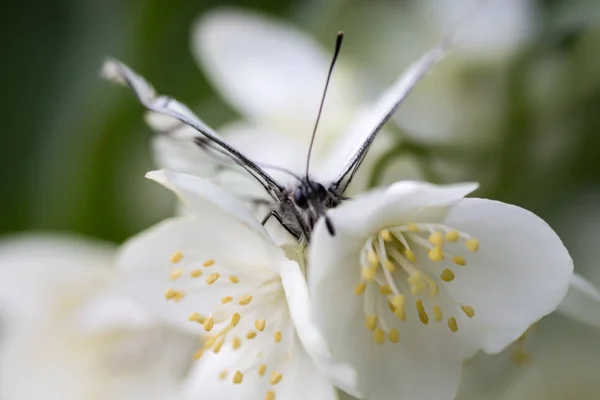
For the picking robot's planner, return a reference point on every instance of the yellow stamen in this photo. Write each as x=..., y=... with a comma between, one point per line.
x=172, y=294
x=386, y=235
x=245, y=300
x=436, y=254
x=262, y=369
x=195, y=317
x=447, y=275
x=234, y=279
x=417, y=283
x=360, y=288
x=452, y=324
x=434, y=290
x=277, y=336
x=368, y=273
x=210, y=342
x=458, y=260
x=379, y=336
x=235, y=319
x=436, y=238
x=372, y=258
x=275, y=378
x=472, y=245
x=176, y=273
x=398, y=302
x=452, y=236
x=389, y=266
x=223, y=375
x=260, y=324
x=468, y=310
x=198, y=354
x=208, y=263
x=410, y=256
x=176, y=257
x=208, y=324
x=393, y=335
x=371, y=322
x=238, y=377
x=385, y=290
x=196, y=273
x=437, y=313
x=391, y=306
x=237, y=343
x=270, y=395
x=422, y=313
x=226, y=299
x=218, y=345
x=412, y=227
x=212, y=278
x=250, y=335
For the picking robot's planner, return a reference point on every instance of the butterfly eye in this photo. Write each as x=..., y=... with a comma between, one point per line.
x=319, y=191
x=300, y=197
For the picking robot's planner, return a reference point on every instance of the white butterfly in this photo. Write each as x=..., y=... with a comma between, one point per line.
x=297, y=207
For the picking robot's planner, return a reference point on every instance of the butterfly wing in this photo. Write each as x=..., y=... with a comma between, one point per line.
x=183, y=130
x=347, y=159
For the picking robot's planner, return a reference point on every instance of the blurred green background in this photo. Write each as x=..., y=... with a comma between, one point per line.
x=75, y=148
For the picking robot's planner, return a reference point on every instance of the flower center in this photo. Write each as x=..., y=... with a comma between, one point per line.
x=252, y=318
x=391, y=273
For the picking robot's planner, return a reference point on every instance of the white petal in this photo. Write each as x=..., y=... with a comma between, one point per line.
x=200, y=196
x=268, y=70
x=520, y=273
x=582, y=302
x=425, y=363
x=296, y=291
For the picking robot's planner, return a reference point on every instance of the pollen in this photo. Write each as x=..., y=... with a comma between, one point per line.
x=393, y=335
x=468, y=310
x=275, y=378
x=389, y=266
x=412, y=227
x=208, y=263
x=458, y=260
x=218, y=345
x=262, y=369
x=277, y=336
x=245, y=300
x=368, y=273
x=212, y=278
x=410, y=256
x=385, y=290
x=237, y=343
x=371, y=322
x=238, y=377
x=372, y=258
x=386, y=235
x=208, y=324
x=399, y=300
x=472, y=245
x=234, y=279
x=195, y=317
x=176, y=273
x=260, y=324
x=195, y=273
x=226, y=299
x=360, y=288
x=235, y=319
x=176, y=257
x=175, y=295
x=452, y=236
x=223, y=375
x=417, y=284
x=447, y=275
x=437, y=313
x=379, y=336
x=270, y=395
x=422, y=313
x=250, y=335
x=436, y=254
x=198, y=354
x=436, y=238
x=452, y=324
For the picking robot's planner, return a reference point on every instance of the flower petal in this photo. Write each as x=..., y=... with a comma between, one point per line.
x=520, y=273
x=267, y=70
x=582, y=302
x=296, y=291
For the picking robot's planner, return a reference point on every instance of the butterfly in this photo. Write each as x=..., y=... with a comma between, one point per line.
x=297, y=206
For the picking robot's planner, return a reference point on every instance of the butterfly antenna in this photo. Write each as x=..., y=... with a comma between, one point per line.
x=338, y=46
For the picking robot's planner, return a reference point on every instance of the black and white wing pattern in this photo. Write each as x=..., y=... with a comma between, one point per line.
x=347, y=159
x=218, y=160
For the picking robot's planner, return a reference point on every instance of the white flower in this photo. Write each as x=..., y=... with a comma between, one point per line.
x=67, y=334
x=274, y=74
x=217, y=273
x=418, y=278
